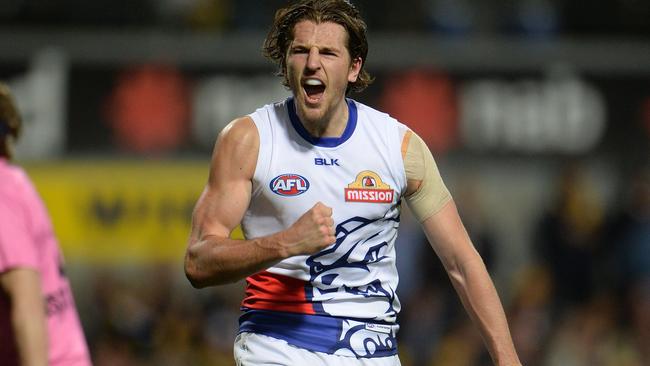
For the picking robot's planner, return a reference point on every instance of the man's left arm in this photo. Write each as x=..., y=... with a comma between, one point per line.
x=433, y=206
x=468, y=274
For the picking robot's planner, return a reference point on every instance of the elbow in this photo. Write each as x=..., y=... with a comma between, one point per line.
x=456, y=268
x=193, y=273
x=455, y=274
x=194, y=279
x=200, y=277
x=199, y=280
x=461, y=269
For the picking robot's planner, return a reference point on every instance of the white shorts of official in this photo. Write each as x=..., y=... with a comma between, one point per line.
x=253, y=349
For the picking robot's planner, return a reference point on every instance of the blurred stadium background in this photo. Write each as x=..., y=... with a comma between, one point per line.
x=538, y=113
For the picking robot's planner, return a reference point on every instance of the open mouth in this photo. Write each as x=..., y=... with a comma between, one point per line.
x=314, y=89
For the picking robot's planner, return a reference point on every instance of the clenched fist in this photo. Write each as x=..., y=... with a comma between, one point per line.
x=312, y=232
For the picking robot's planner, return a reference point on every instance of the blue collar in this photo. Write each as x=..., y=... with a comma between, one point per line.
x=324, y=141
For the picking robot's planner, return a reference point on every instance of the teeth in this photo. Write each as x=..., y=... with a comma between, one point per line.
x=313, y=82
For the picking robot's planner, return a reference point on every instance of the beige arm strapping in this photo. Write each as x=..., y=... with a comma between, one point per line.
x=431, y=193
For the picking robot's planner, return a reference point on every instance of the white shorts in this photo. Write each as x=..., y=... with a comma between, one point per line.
x=253, y=349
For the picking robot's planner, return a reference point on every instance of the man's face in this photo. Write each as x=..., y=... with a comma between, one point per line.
x=319, y=69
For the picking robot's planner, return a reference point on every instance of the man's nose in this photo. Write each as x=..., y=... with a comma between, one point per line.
x=313, y=59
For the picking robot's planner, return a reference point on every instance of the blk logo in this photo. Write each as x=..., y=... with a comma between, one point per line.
x=289, y=185
x=326, y=162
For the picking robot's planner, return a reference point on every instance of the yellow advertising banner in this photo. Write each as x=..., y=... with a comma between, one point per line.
x=121, y=211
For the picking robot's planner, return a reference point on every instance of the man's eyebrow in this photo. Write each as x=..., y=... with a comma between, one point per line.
x=329, y=49
x=296, y=45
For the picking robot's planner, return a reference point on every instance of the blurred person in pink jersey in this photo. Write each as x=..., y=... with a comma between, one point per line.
x=38, y=318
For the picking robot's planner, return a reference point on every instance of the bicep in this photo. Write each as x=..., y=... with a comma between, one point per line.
x=227, y=194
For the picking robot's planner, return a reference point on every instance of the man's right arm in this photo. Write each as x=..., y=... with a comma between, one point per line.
x=212, y=258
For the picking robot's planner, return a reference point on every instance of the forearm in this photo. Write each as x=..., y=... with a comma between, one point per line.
x=215, y=261
x=30, y=331
x=479, y=297
x=28, y=319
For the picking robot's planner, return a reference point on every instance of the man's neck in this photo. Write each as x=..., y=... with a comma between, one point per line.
x=332, y=125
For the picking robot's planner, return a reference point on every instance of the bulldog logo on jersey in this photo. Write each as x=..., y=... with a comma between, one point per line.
x=368, y=187
x=289, y=185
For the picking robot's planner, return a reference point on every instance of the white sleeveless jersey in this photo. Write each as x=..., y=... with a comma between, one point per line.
x=361, y=177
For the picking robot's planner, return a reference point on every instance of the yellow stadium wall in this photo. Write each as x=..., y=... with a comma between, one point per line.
x=121, y=211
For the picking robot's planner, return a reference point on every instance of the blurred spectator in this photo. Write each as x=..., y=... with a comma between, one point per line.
x=567, y=238
x=627, y=234
x=625, y=257
x=143, y=316
x=423, y=323
x=39, y=323
x=461, y=346
x=588, y=336
x=530, y=314
x=639, y=312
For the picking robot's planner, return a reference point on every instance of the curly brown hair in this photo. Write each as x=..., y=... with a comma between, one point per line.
x=341, y=12
x=10, y=121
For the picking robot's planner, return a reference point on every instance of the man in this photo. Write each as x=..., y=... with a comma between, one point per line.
x=316, y=183
x=38, y=320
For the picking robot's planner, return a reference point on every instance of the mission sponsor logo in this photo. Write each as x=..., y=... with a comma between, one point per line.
x=289, y=185
x=368, y=187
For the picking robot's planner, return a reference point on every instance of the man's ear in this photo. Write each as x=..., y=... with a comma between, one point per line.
x=355, y=69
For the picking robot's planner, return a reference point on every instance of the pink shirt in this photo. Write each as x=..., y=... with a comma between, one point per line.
x=27, y=241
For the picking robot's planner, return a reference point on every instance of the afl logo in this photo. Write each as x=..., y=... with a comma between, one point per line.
x=289, y=185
